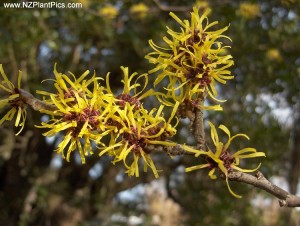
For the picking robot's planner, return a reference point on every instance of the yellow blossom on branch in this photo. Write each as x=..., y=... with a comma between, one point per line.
x=86, y=112
x=80, y=114
x=133, y=92
x=65, y=87
x=140, y=129
x=193, y=60
x=13, y=100
x=221, y=158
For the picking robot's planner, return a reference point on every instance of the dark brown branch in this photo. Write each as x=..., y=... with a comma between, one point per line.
x=172, y=8
x=35, y=103
x=294, y=170
x=259, y=181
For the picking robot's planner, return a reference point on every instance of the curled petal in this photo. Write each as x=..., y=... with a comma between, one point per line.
x=211, y=174
x=243, y=151
x=233, y=137
x=226, y=130
x=231, y=192
x=246, y=170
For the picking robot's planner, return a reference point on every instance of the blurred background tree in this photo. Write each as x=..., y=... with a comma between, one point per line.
x=38, y=188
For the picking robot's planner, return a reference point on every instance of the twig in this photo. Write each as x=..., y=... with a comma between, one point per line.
x=197, y=125
x=198, y=128
x=35, y=103
x=171, y=150
x=172, y=8
x=285, y=198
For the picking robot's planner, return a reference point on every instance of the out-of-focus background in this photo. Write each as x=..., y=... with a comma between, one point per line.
x=38, y=188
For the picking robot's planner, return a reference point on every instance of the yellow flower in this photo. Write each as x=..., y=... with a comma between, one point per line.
x=221, y=158
x=249, y=10
x=87, y=112
x=193, y=60
x=14, y=100
x=139, y=129
x=132, y=92
x=81, y=114
x=274, y=55
x=140, y=10
x=133, y=126
x=109, y=12
x=66, y=88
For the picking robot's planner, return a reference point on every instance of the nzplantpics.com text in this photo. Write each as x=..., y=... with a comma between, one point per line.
x=42, y=5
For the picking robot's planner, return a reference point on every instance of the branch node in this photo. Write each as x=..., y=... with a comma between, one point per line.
x=259, y=175
x=282, y=203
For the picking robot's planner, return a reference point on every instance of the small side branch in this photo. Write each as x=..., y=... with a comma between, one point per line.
x=198, y=128
x=172, y=8
x=171, y=150
x=35, y=103
x=285, y=198
x=197, y=125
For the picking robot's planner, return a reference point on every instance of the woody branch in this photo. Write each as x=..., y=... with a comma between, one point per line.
x=35, y=103
x=285, y=198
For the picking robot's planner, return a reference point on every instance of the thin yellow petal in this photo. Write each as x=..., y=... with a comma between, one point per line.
x=231, y=192
x=213, y=134
x=201, y=166
x=246, y=170
x=226, y=130
x=211, y=174
x=253, y=155
x=196, y=152
x=244, y=150
x=18, y=116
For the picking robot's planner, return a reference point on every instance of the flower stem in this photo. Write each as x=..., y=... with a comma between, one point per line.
x=198, y=126
x=35, y=103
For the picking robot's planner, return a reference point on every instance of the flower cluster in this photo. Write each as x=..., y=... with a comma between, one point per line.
x=135, y=127
x=89, y=115
x=192, y=64
x=221, y=158
x=87, y=112
x=16, y=103
x=79, y=113
x=193, y=61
